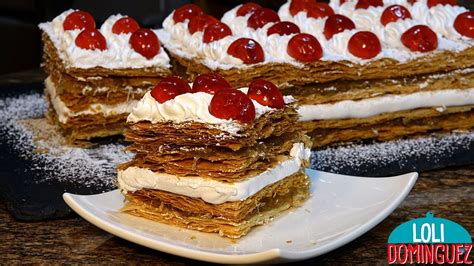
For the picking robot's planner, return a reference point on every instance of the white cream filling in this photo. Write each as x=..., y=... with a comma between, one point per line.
x=209, y=190
x=119, y=53
x=64, y=113
x=189, y=107
x=386, y=104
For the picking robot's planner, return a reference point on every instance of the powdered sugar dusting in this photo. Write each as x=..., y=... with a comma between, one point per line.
x=403, y=153
x=29, y=134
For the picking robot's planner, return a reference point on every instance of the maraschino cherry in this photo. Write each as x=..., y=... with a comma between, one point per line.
x=432, y=3
x=320, y=10
x=266, y=93
x=394, y=13
x=79, y=20
x=168, y=88
x=261, y=17
x=365, y=45
x=210, y=83
x=464, y=24
x=337, y=23
x=364, y=4
x=215, y=32
x=200, y=22
x=186, y=12
x=248, y=8
x=283, y=28
x=297, y=6
x=91, y=40
x=145, y=42
x=232, y=104
x=247, y=50
x=420, y=38
x=304, y=48
x=125, y=25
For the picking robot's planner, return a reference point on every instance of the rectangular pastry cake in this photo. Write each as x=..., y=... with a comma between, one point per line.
x=97, y=75
x=214, y=158
x=358, y=69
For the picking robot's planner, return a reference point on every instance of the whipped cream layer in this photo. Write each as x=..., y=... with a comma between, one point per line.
x=209, y=190
x=64, y=113
x=189, y=107
x=119, y=53
x=387, y=104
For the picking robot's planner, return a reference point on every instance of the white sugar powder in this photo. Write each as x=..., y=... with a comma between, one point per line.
x=33, y=139
x=402, y=151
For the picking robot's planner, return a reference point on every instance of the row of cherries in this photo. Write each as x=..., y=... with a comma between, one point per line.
x=143, y=41
x=305, y=47
x=227, y=102
x=310, y=6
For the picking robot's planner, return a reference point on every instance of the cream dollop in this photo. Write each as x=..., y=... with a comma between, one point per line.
x=118, y=55
x=212, y=191
x=189, y=107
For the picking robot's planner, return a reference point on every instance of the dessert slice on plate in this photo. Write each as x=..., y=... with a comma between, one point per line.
x=214, y=158
x=97, y=75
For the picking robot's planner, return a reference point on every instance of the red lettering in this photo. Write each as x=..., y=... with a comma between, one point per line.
x=439, y=256
x=430, y=254
x=458, y=252
x=412, y=250
x=405, y=253
x=450, y=249
x=391, y=258
x=468, y=248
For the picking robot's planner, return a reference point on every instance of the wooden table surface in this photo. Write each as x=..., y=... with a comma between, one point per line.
x=449, y=193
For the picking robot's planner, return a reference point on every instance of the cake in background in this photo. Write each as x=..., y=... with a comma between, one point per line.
x=358, y=69
x=97, y=75
x=213, y=158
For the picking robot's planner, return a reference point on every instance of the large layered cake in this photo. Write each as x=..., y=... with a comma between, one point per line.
x=358, y=69
x=213, y=158
x=97, y=75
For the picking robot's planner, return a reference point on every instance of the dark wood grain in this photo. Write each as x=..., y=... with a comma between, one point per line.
x=449, y=193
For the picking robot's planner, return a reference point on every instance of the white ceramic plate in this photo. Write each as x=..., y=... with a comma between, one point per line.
x=341, y=208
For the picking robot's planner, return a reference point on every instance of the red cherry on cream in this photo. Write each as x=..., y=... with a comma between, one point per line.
x=215, y=32
x=283, y=28
x=320, y=10
x=248, y=8
x=79, y=20
x=186, y=12
x=365, y=45
x=145, y=42
x=91, y=40
x=125, y=25
x=168, y=88
x=420, y=38
x=432, y=3
x=364, y=4
x=297, y=6
x=337, y=23
x=210, y=83
x=200, y=22
x=394, y=13
x=304, y=48
x=464, y=24
x=266, y=93
x=247, y=50
x=261, y=17
x=232, y=104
